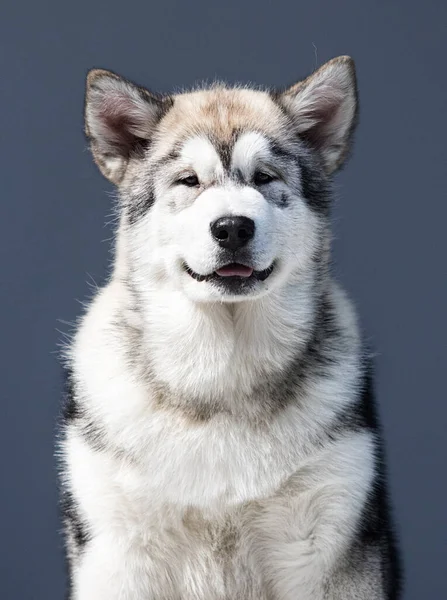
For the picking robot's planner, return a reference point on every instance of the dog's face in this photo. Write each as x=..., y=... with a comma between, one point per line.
x=224, y=191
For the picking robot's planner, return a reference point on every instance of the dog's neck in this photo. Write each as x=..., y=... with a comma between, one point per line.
x=220, y=352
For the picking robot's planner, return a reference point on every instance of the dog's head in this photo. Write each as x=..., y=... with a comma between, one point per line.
x=224, y=191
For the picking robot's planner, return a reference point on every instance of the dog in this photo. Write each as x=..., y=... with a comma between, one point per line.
x=220, y=438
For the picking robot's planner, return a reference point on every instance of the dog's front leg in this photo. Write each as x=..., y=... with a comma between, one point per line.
x=303, y=533
x=112, y=569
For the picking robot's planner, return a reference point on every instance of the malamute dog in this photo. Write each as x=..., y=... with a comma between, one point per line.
x=220, y=439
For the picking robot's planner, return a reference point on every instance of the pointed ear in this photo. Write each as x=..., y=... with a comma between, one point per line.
x=120, y=118
x=324, y=109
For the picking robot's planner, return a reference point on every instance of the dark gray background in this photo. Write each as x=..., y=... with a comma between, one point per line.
x=389, y=223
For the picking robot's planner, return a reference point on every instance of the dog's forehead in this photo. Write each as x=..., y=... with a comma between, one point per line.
x=219, y=114
x=201, y=153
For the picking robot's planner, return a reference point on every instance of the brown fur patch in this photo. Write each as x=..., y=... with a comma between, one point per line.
x=218, y=113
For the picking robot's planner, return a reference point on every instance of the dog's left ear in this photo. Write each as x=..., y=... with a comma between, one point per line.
x=120, y=119
x=324, y=109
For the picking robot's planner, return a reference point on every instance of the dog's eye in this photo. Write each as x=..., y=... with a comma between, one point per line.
x=261, y=178
x=190, y=181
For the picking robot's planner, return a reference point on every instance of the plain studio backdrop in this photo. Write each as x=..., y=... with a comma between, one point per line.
x=389, y=225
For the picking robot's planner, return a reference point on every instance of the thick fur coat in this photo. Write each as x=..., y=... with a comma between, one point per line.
x=220, y=438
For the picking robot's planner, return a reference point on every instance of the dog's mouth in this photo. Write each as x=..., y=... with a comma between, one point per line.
x=232, y=272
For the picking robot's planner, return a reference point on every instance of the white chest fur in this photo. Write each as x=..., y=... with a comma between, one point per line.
x=204, y=464
x=156, y=465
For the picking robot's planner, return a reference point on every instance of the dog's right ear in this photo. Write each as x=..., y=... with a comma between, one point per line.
x=120, y=118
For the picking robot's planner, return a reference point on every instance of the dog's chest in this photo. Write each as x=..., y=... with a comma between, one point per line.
x=208, y=555
x=206, y=552
x=214, y=465
x=218, y=556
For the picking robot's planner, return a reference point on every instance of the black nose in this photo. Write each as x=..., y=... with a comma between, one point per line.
x=233, y=232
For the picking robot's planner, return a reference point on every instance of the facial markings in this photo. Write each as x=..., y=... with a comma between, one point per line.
x=261, y=162
x=250, y=149
x=187, y=170
x=198, y=156
x=247, y=158
x=225, y=148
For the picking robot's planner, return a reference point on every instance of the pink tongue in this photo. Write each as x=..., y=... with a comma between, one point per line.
x=235, y=270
